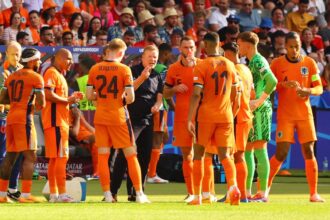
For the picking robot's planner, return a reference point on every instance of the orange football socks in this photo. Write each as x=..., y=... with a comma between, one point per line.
x=198, y=173
x=103, y=169
x=60, y=174
x=230, y=171
x=208, y=175
x=134, y=172
x=51, y=176
x=241, y=176
x=311, y=175
x=155, y=154
x=187, y=167
x=275, y=166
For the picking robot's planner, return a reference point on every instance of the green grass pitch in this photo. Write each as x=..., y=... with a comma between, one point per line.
x=288, y=200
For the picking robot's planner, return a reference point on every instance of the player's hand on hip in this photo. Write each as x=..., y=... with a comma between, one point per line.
x=181, y=88
x=303, y=92
x=254, y=104
x=191, y=128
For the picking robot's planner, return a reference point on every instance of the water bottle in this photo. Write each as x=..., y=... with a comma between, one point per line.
x=325, y=165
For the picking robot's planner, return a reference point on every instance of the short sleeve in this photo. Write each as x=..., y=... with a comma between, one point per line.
x=213, y=19
x=128, y=77
x=50, y=79
x=262, y=67
x=90, y=81
x=199, y=75
x=38, y=83
x=169, y=80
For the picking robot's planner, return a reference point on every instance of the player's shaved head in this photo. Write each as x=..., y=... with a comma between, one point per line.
x=63, y=59
x=13, y=53
x=292, y=35
x=212, y=38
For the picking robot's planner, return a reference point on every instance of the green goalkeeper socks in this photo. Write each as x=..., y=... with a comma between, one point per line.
x=249, y=158
x=263, y=167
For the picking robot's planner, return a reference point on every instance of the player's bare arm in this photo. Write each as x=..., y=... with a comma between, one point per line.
x=159, y=103
x=194, y=102
x=40, y=100
x=53, y=97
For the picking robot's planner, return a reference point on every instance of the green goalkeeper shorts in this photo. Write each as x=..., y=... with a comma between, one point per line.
x=262, y=123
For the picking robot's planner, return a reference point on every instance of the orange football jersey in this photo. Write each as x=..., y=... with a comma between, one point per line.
x=177, y=74
x=109, y=80
x=216, y=75
x=22, y=86
x=55, y=114
x=306, y=73
x=244, y=113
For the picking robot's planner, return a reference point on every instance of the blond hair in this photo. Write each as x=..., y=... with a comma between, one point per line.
x=249, y=37
x=150, y=48
x=115, y=45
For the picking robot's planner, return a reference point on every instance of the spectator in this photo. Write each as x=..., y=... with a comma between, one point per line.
x=76, y=26
x=236, y=6
x=144, y=18
x=325, y=32
x=139, y=6
x=176, y=38
x=88, y=6
x=278, y=39
x=118, y=9
x=33, y=5
x=9, y=34
x=23, y=38
x=93, y=28
x=104, y=13
x=306, y=42
x=64, y=16
x=297, y=21
x=124, y=24
x=171, y=24
x=278, y=20
x=150, y=34
x=34, y=29
x=48, y=17
x=17, y=7
x=67, y=39
x=326, y=78
x=46, y=37
x=317, y=39
x=200, y=51
x=263, y=38
x=101, y=39
x=199, y=6
x=129, y=38
x=249, y=17
x=233, y=21
x=280, y=52
x=199, y=22
x=265, y=26
x=231, y=35
x=218, y=18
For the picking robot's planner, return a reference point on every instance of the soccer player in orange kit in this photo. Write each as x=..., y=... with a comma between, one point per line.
x=298, y=78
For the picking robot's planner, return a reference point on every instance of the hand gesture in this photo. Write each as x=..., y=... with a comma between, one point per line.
x=146, y=72
x=181, y=88
x=303, y=92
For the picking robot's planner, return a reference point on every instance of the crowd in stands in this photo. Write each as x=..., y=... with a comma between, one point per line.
x=140, y=23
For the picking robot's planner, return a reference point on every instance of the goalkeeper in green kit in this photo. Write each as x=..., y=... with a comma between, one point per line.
x=264, y=84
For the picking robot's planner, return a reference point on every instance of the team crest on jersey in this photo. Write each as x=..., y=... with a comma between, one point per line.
x=304, y=71
x=280, y=134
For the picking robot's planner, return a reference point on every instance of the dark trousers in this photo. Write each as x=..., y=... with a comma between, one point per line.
x=143, y=138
